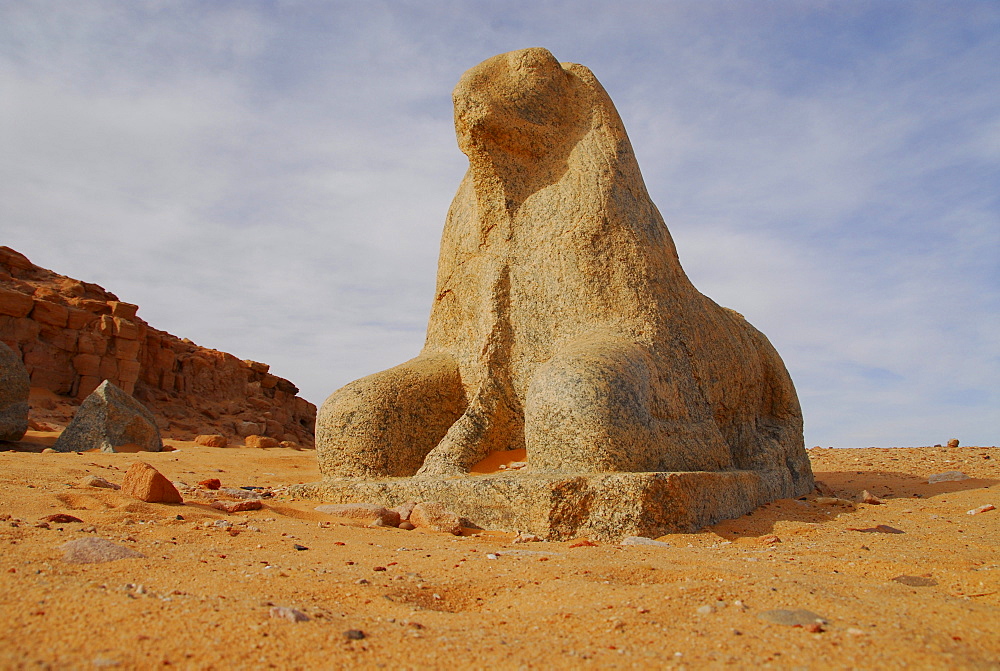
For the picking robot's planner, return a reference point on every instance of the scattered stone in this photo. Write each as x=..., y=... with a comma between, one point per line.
x=433, y=515
x=49, y=450
x=407, y=525
x=290, y=614
x=525, y=537
x=260, y=441
x=878, y=529
x=705, y=610
x=211, y=483
x=95, y=551
x=981, y=509
x=791, y=618
x=145, y=483
x=300, y=548
x=107, y=419
x=584, y=543
x=61, y=518
x=869, y=498
x=354, y=634
x=405, y=509
x=212, y=440
x=834, y=501
x=824, y=489
x=947, y=476
x=15, y=386
x=237, y=506
x=915, y=580
x=769, y=539
x=953, y=442
x=374, y=515
x=240, y=493
x=517, y=465
x=640, y=540
x=97, y=481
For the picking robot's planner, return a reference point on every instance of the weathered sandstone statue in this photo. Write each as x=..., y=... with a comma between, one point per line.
x=14, y=390
x=109, y=419
x=562, y=321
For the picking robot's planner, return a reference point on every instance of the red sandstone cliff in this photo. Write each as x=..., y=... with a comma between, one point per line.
x=72, y=335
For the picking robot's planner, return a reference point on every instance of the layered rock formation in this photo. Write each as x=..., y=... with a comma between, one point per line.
x=563, y=322
x=72, y=335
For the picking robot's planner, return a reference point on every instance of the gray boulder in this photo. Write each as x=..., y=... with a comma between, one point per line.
x=108, y=419
x=14, y=388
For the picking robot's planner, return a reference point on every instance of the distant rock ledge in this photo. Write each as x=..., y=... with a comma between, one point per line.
x=73, y=335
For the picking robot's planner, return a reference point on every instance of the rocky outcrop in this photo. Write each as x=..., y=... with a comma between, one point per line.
x=14, y=389
x=563, y=323
x=109, y=419
x=72, y=335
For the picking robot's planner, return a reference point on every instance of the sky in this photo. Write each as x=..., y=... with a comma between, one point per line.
x=271, y=179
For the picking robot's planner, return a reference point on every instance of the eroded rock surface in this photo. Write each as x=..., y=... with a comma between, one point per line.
x=14, y=389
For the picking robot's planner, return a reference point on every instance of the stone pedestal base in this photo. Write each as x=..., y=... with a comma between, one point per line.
x=600, y=506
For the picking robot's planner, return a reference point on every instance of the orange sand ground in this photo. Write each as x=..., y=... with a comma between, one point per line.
x=201, y=598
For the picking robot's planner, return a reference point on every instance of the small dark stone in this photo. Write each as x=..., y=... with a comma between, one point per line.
x=179, y=517
x=915, y=580
x=354, y=634
x=300, y=547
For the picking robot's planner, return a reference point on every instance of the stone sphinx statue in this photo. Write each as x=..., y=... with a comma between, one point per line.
x=562, y=321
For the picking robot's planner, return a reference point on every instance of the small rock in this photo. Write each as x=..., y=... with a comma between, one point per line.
x=433, y=515
x=407, y=525
x=61, y=518
x=49, y=450
x=145, y=483
x=915, y=580
x=824, y=489
x=639, y=540
x=947, y=476
x=791, y=618
x=239, y=493
x=290, y=614
x=110, y=418
x=260, y=441
x=237, y=506
x=97, y=481
x=404, y=510
x=300, y=548
x=869, y=498
x=878, y=529
x=375, y=515
x=953, y=442
x=981, y=509
x=705, y=610
x=211, y=483
x=769, y=539
x=354, y=634
x=517, y=465
x=212, y=440
x=95, y=551
x=584, y=543
x=834, y=501
x=525, y=537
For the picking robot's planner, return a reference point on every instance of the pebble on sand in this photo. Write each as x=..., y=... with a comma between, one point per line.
x=98, y=481
x=947, y=476
x=791, y=617
x=95, y=551
x=290, y=614
x=640, y=540
x=981, y=509
x=237, y=506
x=354, y=634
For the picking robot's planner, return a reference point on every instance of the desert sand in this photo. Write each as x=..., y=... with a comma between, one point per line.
x=209, y=589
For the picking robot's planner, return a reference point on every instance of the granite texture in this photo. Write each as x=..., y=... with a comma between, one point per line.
x=107, y=419
x=562, y=321
x=14, y=390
